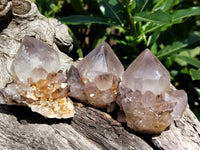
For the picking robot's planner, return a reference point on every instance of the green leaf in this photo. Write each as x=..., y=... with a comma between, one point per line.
x=81, y=19
x=165, y=5
x=112, y=9
x=195, y=74
x=131, y=5
x=171, y=49
x=141, y=5
x=153, y=38
x=179, y=15
x=79, y=52
x=154, y=48
x=76, y=44
x=192, y=61
x=176, y=47
x=158, y=17
x=150, y=27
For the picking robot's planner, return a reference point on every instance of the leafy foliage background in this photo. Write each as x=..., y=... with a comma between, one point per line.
x=170, y=28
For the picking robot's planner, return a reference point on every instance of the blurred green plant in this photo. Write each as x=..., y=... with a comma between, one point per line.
x=49, y=7
x=170, y=28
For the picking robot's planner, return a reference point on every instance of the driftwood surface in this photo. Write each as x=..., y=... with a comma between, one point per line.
x=91, y=128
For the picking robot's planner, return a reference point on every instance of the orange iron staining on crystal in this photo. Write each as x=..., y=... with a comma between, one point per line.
x=39, y=83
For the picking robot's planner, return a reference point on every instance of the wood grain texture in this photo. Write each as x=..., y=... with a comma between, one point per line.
x=90, y=129
x=183, y=134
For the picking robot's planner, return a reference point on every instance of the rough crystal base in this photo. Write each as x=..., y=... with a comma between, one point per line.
x=148, y=100
x=96, y=78
x=93, y=93
x=38, y=83
x=149, y=113
x=48, y=96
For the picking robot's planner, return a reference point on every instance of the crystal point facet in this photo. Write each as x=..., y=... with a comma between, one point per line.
x=96, y=78
x=101, y=60
x=39, y=82
x=147, y=73
x=149, y=101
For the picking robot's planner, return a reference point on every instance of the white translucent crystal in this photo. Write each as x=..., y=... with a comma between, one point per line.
x=32, y=57
x=104, y=81
x=150, y=103
x=100, y=61
x=38, y=82
x=146, y=73
x=76, y=83
x=179, y=97
x=96, y=79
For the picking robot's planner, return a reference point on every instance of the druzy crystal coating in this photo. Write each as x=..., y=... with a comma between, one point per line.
x=149, y=101
x=38, y=80
x=96, y=78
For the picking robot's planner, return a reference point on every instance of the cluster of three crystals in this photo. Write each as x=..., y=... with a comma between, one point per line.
x=143, y=92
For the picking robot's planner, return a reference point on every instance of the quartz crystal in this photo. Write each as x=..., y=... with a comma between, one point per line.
x=96, y=78
x=38, y=81
x=149, y=101
x=34, y=60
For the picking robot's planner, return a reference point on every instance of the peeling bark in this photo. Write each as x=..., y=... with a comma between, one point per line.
x=94, y=129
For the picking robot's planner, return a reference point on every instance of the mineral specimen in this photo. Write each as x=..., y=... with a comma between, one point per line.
x=149, y=101
x=96, y=78
x=38, y=82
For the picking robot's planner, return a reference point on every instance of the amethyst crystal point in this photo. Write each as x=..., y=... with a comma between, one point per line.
x=99, y=61
x=38, y=80
x=34, y=59
x=148, y=100
x=96, y=78
x=147, y=73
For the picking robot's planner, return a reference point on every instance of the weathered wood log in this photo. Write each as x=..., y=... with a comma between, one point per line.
x=20, y=128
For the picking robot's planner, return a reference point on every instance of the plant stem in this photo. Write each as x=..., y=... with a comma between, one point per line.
x=131, y=25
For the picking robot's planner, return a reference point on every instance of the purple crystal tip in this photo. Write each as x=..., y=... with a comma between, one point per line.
x=33, y=57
